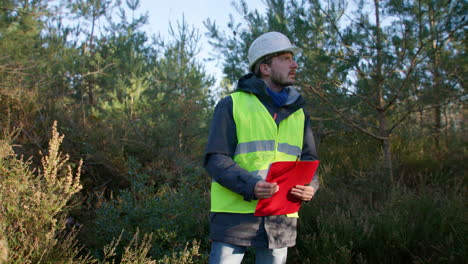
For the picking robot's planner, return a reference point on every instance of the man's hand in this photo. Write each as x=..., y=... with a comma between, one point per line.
x=265, y=190
x=302, y=192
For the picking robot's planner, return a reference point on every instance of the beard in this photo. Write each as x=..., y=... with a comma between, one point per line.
x=282, y=79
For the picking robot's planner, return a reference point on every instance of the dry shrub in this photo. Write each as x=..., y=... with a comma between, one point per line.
x=138, y=251
x=3, y=250
x=34, y=203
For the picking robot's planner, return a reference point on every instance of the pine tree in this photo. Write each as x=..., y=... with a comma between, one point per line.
x=362, y=61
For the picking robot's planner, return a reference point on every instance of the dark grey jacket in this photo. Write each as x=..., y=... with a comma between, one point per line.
x=246, y=229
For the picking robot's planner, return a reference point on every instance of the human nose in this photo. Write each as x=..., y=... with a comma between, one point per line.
x=294, y=64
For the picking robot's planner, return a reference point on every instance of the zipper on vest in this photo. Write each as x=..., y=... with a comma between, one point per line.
x=275, y=115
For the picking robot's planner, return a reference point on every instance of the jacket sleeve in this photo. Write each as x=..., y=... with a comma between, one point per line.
x=220, y=149
x=309, y=151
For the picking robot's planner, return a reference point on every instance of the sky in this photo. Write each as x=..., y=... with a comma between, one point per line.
x=161, y=12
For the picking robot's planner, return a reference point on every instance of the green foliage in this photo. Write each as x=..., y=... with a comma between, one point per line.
x=116, y=93
x=20, y=30
x=358, y=217
x=182, y=81
x=153, y=98
x=429, y=226
x=422, y=166
x=173, y=215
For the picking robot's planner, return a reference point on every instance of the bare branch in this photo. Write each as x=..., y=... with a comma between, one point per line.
x=339, y=84
x=343, y=116
x=337, y=30
x=99, y=71
x=395, y=125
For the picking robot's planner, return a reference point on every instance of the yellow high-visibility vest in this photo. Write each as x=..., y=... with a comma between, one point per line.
x=260, y=142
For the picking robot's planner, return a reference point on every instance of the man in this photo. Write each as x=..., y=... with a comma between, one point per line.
x=261, y=122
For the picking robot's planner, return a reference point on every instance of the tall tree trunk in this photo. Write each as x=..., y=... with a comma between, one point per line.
x=436, y=88
x=382, y=115
x=91, y=83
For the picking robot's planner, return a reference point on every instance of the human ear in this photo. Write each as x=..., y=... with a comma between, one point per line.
x=265, y=69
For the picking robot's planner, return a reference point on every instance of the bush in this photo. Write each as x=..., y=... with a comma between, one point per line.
x=426, y=228
x=357, y=218
x=34, y=204
x=173, y=215
x=3, y=249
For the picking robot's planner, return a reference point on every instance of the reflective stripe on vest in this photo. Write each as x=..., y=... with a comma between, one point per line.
x=260, y=142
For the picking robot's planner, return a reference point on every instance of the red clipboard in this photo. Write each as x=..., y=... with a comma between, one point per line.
x=286, y=174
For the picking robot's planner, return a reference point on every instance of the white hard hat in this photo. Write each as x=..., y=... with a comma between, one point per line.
x=269, y=43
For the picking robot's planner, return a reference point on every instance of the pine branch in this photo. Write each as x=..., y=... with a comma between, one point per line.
x=343, y=116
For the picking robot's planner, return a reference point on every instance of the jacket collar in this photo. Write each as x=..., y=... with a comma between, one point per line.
x=250, y=83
